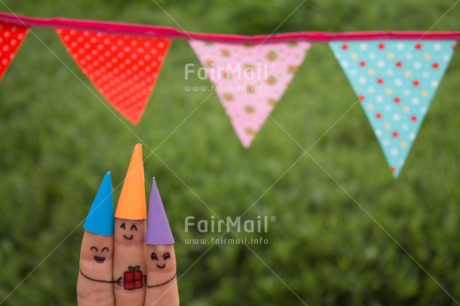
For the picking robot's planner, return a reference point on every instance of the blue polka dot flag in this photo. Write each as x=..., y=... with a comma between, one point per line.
x=395, y=81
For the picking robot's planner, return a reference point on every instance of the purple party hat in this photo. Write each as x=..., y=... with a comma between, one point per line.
x=158, y=230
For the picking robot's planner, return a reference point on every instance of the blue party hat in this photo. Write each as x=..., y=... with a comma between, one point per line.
x=100, y=216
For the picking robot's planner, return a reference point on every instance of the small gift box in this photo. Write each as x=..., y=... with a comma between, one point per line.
x=133, y=278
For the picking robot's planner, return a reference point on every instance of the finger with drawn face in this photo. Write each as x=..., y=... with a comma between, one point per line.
x=161, y=279
x=95, y=282
x=129, y=237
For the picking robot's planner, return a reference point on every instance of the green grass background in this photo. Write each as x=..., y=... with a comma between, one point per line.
x=57, y=139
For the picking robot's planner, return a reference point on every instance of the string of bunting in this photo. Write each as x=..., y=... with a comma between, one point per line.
x=394, y=74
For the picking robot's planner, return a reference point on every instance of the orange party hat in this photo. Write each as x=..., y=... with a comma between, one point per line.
x=132, y=203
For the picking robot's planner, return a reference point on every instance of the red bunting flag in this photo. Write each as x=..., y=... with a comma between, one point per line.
x=123, y=68
x=11, y=38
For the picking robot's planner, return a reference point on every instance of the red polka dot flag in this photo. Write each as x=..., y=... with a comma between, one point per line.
x=11, y=38
x=123, y=68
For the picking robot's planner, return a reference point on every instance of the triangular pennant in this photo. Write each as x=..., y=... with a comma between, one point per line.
x=11, y=38
x=250, y=79
x=123, y=68
x=395, y=81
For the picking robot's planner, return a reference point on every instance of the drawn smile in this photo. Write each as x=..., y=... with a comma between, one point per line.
x=128, y=238
x=165, y=256
x=99, y=259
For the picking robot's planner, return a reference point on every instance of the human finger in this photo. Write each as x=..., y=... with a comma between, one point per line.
x=95, y=282
x=129, y=238
x=161, y=284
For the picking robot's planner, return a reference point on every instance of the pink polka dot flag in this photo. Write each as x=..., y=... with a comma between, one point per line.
x=11, y=38
x=395, y=81
x=249, y=79
x=123, y=68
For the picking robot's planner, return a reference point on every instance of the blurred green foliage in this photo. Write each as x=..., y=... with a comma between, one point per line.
x=333, y=243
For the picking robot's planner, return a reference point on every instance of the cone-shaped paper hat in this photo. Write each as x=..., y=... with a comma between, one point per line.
x=158, y=230
x=100, y=217
x=132, y=203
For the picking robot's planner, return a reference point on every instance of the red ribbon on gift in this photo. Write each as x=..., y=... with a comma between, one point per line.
x=135, y=268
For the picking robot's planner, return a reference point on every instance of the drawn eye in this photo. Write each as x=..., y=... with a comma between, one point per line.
x=105, y=249
x=154, y=256
x=134, y=227
x=123, y=226
x=93, y=248
x=166, y=256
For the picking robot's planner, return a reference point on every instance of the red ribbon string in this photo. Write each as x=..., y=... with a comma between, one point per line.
x=167, y=32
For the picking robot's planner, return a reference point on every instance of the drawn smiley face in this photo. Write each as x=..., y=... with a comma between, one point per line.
x=132, y=228
x=129, y=231
x=98, y=257
x=161, y=264
x=161, y=259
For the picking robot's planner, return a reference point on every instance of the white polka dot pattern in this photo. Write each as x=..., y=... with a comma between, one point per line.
x=123, y=68
x=11, y=38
